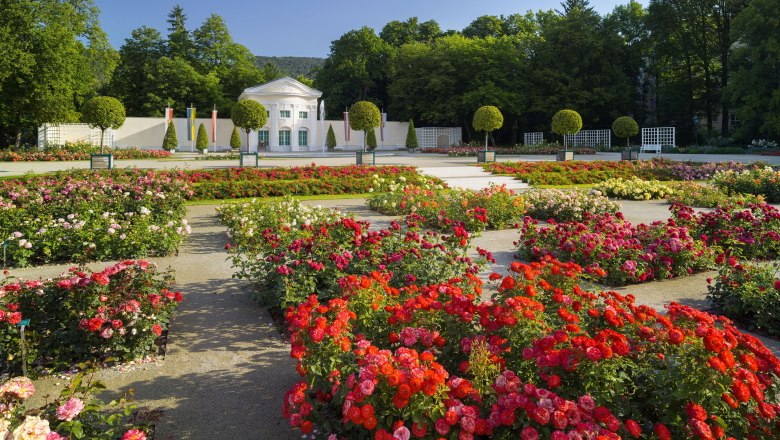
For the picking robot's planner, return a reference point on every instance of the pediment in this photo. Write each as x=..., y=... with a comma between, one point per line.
x=283, y=86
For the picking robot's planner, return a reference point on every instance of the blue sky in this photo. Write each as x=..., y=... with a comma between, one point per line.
x=306, y=27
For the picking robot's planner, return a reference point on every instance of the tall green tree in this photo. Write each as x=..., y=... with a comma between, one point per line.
x=355, y=70
x=397, y=33
x=755, y=83
x=180, y=42
x=132, y=80
x=54, y=57
x=485, y=26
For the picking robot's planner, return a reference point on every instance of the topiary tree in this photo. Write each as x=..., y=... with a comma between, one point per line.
x=249, y=115
x=103, y=112
x=330, y=139
x=235, y=139
x=411, y=137
x=364, y=116
x=371, y=140
x=566, y=123
x=487, y=119
x=171, y=141
x=625, y=127
x=202, y=140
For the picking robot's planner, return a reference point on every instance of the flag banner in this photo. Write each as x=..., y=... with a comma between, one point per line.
x=346, y=126
x=214, y=126
x=168, y=119
x=190, y=123
x=382, y=127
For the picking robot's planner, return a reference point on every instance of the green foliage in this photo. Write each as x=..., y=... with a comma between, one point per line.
x=748, y=294
x=53, y=56
x=364, y=116
x=397, y=33
x=566, y=122
x=356, y=69
x=625, y=127
x=103, y=112
x=487, y=119
x=249, y=115
x=330, y=139
x=170, y=141
x=411, y=137
x=202, y=140
x=204, y=67
x=754, y=81
x=235, y=139
x=371, y=140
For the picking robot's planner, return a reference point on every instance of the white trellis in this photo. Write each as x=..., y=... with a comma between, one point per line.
x=533, y=138
x=663, y=136
x=428, y=137
x=59, y=134
x=590, y=139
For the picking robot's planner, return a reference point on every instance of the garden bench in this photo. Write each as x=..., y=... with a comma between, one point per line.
x=650, y=147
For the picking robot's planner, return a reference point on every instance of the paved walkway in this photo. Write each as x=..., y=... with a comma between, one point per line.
x=187, y=161
x=471, y=177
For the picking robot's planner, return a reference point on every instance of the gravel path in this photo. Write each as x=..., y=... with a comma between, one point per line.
x=227, y=367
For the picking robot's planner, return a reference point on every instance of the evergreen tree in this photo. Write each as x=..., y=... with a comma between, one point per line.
x=235, y=139
x=179, y=39
x=330, y=139
x=171, y=141
x=371, y=140
x=411, y=137
x=202, y=140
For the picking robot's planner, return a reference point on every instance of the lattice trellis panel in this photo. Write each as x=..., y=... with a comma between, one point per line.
x=663, y=136
x=533, y=138
x=428, y=137
x=590, y=139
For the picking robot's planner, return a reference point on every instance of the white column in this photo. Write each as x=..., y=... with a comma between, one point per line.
x=273, y=135
x=313, y=141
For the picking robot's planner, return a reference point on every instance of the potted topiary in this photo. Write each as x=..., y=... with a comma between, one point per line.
x=487, y=119
x=103, y=112
x=566, y=123
x=249, y=115
x=625, y=127
x=364, y=116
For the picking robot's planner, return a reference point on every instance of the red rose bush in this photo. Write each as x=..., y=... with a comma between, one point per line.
x=115, y=314
x=541, y=358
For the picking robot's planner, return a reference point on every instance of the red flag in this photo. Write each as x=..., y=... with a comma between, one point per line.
x=214, y=125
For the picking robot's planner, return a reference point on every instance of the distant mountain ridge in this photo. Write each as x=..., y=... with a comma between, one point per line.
x=293, y=66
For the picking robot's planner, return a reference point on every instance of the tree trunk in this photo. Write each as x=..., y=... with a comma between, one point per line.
x=725, y=44
x=18, y=140
x=247, y=141
x=102, y=134
x=486, y=138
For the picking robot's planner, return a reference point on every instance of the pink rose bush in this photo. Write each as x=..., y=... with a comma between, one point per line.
x=541, y=358
x=751, y=230
x=290, y=251
x=68, y=416
x=495, y=207
x=616, y=251
x=91, y=216
x=116, y=313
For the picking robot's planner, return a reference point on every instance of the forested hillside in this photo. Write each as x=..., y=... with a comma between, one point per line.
x=292, y=66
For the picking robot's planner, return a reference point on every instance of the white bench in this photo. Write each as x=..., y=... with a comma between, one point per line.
x=650, y=147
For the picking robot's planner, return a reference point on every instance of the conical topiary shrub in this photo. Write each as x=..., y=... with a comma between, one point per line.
x=171, y=141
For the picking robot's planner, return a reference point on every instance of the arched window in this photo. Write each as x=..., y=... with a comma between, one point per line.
x=284, y=137
x=303, y=137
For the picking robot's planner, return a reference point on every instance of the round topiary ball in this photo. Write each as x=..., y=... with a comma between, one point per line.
x=625, y=127
x=487, y=118
x=566, y=122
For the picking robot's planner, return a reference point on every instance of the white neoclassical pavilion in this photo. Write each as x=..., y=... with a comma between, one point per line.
x=292, y=116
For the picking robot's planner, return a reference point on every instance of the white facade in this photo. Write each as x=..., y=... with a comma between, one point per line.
x=292, y=116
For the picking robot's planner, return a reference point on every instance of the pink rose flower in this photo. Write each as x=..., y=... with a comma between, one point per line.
x=70, y=410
